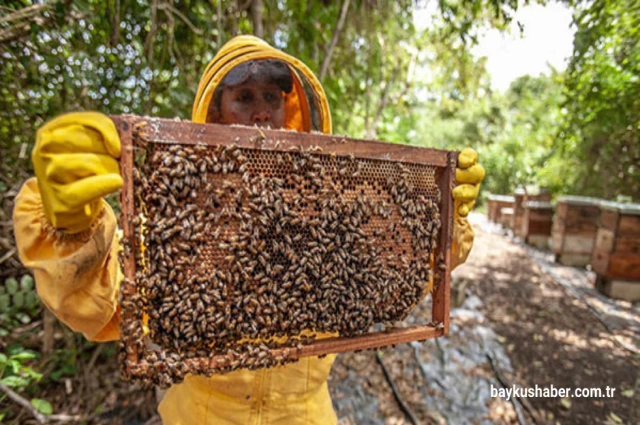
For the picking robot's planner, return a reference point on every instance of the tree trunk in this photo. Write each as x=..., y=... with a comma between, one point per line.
x=115, y=23
x=334, y=40
x=257, y=9
x=384, y=98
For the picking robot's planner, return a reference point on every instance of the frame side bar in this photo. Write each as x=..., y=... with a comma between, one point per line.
x=128, y=287
x=442, y=290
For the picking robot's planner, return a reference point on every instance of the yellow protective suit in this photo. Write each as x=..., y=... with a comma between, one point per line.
x=77, y=277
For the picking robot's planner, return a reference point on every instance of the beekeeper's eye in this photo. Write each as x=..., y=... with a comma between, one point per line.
x=245, y=96
x=273, y=97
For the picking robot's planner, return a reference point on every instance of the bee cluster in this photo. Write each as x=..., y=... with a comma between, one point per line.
x=248, y=252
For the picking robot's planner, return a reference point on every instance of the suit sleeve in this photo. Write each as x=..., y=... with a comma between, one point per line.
x=463, y=236
x=77, y=276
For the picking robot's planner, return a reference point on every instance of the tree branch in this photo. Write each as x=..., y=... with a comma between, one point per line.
x=32, y=410
x=371, y=131
x=219, y=18
x=242, y=7
x=8, y=255
x=115, y=23
x=148, y=44
x=179, y=14
x=396, y=393
x=334, y=40
x=523, y=401
x=26, y=12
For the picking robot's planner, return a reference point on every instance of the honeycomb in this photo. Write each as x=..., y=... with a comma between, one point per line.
x=244, y=255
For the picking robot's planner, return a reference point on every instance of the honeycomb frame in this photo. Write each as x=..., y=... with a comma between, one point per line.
x=271, y=144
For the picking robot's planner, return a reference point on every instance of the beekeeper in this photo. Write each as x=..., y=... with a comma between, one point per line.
x=66, y=232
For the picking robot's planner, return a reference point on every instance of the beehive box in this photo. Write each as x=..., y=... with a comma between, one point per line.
x=522, y=196
x=495, y=204
x=536, y=223
x=575, y=224
x=616, y=255
x=506, y=217
x=518, y=211
x=248, y=248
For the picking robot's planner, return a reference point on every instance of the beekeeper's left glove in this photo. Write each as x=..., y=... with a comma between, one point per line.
x=469, y=175
x=75, y=161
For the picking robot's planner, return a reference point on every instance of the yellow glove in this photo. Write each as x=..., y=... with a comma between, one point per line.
x=75, y=163
x=469, y=174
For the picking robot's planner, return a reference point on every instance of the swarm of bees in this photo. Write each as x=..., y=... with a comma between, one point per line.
x=243, y=253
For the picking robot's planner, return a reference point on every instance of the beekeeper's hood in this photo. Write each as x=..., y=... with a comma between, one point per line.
x=306, y=106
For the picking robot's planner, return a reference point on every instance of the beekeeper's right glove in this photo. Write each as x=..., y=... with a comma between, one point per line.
x=75, y=161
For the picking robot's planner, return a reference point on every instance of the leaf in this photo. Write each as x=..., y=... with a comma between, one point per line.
x=15, y=381
x=42, y=406
x=627, y=393
x=36, y=376
x=3, y=358
x=23, y=318
x=565, y=402
x=25, y=355
x=26, y=283
x=66, y=370
x=11, y=285
x=18, y=300
x=617, y=419
x=15, y=366
x=5, y=302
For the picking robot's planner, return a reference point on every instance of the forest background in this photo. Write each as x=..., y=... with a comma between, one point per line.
x=575, y=131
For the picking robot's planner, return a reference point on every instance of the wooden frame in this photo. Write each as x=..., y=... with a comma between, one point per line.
x=182, y=132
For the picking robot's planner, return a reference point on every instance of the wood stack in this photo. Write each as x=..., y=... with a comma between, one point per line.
x=574, y=229
x=536, y=223
x=495, y=205
x=616, y=255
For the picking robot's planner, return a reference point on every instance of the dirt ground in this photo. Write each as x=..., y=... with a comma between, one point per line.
x=550, y=336
x=536, y=331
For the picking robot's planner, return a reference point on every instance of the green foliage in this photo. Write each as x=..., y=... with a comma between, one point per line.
x=19, y=303
x=514, y=133
x=90, y=55
x=42, y=406
x=64, y=364
x=600, y=137
x=16, y=372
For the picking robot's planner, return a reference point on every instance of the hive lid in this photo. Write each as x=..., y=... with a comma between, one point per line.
x=506, y=211
x=579, y=200
x=519, y=191
x=627, y=209
x=538, y=205
x=503, y=198
x=535, y=190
